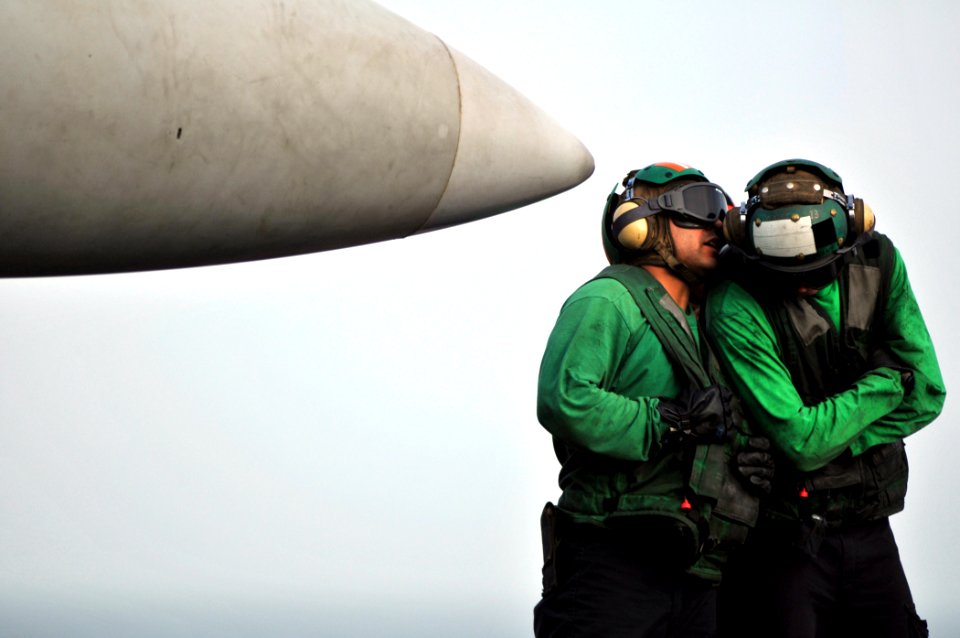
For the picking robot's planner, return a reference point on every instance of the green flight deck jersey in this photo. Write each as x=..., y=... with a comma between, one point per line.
x=800, y=366
x=603, y=374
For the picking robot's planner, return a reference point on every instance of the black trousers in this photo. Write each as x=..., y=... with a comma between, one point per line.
x=850, y=583
x=611, y=584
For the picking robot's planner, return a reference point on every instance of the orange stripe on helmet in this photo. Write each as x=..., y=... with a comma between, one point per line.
x=673, y=166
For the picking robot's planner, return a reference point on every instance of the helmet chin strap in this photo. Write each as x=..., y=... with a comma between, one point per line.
x=681, y=270
x=662, y=253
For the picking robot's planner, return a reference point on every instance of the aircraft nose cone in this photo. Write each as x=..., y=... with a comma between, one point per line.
x=510, y=153
x=176, y=134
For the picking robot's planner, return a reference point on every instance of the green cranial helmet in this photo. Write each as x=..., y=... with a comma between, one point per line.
x=663, y=173
x=798, y=219
x=793, y=164
x=640, y=185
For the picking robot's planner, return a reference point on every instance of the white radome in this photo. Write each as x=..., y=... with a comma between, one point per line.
x=149, y=135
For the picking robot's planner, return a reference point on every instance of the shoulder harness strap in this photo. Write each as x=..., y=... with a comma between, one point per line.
x=675, y=336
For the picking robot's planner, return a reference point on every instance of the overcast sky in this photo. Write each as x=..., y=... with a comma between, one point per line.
x=345, y=444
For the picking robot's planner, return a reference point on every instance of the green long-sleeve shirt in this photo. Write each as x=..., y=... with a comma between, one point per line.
x=873, y=411
x=593, y=391
x=619, y=345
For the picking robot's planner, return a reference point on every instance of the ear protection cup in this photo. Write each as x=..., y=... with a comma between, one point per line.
x=634, y=235
x=862, y=219
x=733, y=229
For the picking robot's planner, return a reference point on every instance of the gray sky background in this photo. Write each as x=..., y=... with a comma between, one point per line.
x=345, y=444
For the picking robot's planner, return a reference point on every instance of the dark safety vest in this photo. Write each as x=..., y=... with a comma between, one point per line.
x=709, y=498
x=823, y=362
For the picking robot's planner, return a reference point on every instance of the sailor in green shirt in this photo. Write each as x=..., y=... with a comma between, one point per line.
x=820, y=334
x=654, y=490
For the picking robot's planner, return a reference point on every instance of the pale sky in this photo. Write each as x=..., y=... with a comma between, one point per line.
x=345, y=444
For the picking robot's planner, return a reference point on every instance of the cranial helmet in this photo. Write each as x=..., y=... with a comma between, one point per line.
x=633, y=228
x=798, y=221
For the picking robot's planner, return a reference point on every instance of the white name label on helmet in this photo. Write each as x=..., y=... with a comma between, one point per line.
x=785, y=238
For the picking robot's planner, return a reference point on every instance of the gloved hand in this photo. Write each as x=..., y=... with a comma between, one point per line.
x=701, y=416
x=881, y=358
x=754, y=464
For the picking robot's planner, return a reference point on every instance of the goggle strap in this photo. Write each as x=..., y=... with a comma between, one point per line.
x=844, y=200
x=815, y=197
x=633, y=215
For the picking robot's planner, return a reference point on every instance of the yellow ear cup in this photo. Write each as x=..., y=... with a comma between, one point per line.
x=632, y=235
x=733, y=228
x=863, y=218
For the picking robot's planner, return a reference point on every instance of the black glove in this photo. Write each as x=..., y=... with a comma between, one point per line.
x=701, y=416
x=880, y=358
x=754, y=464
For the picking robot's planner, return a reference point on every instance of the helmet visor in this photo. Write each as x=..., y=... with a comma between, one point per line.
x=695, y=205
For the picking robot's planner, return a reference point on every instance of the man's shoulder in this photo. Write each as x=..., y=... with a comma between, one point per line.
x=613, y=284
x=879, y=245
x=881, y=239
x=730, y=308
x=627, y=274
x=604, y=287
x=604, y=295
x=728, y=293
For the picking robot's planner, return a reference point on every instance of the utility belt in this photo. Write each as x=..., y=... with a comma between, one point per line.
x=847, y=491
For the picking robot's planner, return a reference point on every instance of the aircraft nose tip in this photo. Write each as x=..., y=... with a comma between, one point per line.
x=510, y=153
